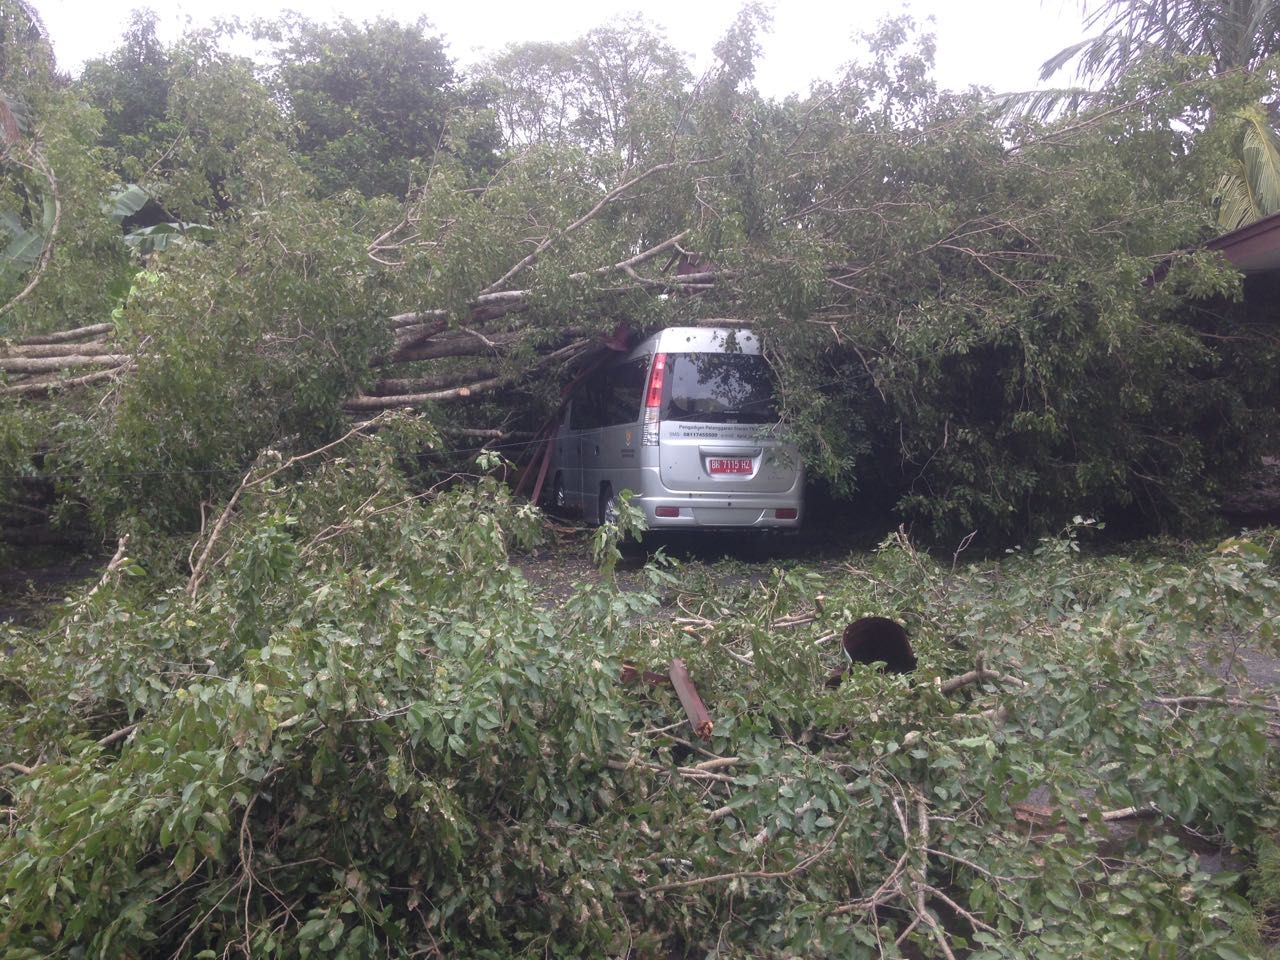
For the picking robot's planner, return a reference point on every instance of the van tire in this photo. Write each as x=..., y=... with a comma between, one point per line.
x=557, y=493
x=608, y=513
x=606, y=505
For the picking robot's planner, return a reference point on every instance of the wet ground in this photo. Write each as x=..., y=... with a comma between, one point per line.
x=832, y=530
x=28, y=593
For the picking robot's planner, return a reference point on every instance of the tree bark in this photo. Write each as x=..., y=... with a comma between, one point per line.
x=466, y=345
x=41, y=388
x=98, y=348
x=55, y=364
x=392, y=386
x=694, y=708
x=67, y=336
x=415, y=399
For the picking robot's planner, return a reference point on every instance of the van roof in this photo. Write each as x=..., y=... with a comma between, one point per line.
x=727, y=339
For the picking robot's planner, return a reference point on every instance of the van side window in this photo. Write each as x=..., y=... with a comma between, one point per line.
x=588, y=403
x=625, y=392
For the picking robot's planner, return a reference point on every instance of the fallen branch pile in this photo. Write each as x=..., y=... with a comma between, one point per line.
x=39, y=366
x=388, y=671
x=435, y=355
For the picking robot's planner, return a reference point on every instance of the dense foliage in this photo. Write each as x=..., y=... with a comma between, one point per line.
x=371, y=105
x=1235, y=40
x=610, y=92
x=360, y=732
x=131, y=87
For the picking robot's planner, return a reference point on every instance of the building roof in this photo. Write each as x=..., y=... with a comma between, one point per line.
x=1254, y=248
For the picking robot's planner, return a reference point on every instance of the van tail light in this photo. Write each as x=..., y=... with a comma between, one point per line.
x=786, y=513
x=653, y=401
x=666, y=511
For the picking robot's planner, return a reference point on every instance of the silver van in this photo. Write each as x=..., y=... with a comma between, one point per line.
x=687, y=421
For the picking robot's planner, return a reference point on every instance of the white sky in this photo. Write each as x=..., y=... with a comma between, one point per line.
x=994, y=43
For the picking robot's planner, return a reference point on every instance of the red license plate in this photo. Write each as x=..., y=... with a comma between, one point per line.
x=729, y=465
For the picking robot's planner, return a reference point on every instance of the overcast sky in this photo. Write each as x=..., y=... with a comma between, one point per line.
x=994, y=43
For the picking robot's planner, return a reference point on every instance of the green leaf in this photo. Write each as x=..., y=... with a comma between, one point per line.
x=185, y=861
x=125, y=202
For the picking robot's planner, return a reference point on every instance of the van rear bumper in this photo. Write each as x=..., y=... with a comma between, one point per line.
x=703, y=511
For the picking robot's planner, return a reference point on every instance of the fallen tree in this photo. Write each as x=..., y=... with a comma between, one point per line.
x=949, y=304
x=416, y=337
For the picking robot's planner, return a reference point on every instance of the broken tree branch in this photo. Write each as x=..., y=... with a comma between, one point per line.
x=120, y=734
x=55, y=364
x=495, y=303
x=920, y=874
x=1176, y=703
x=486, y=433
x=751, y=874
x=630, y=674
x=418, y=333
x=1129, y=813
x=67, y=336
x=638, y=259
x=1041, y=815
x=586, y=218
x=108, y=740
x=416, y=318
x=41, y=167
x=198, y=572
x=455, y=346
x=976, y=675
x=93, y=349
x=690, y=773
x=121, y=546
x=392, y=386
x=462, y=390
x=415, y=399
x=699, y=718
x=39, y=388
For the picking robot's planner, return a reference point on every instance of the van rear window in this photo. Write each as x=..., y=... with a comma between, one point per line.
x=718, y=388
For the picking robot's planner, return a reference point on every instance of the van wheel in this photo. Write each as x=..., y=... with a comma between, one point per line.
x=607, y=505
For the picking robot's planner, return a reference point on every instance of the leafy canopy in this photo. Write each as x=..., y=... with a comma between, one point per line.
x=372, y=104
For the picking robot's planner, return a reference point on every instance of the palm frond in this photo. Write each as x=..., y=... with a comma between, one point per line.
x=1261, y=29
x=1233, y=201
x=1264, y=16
x=1233, y=33
x=1260, y=159
x=1066, y=55
x=1049, y=104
